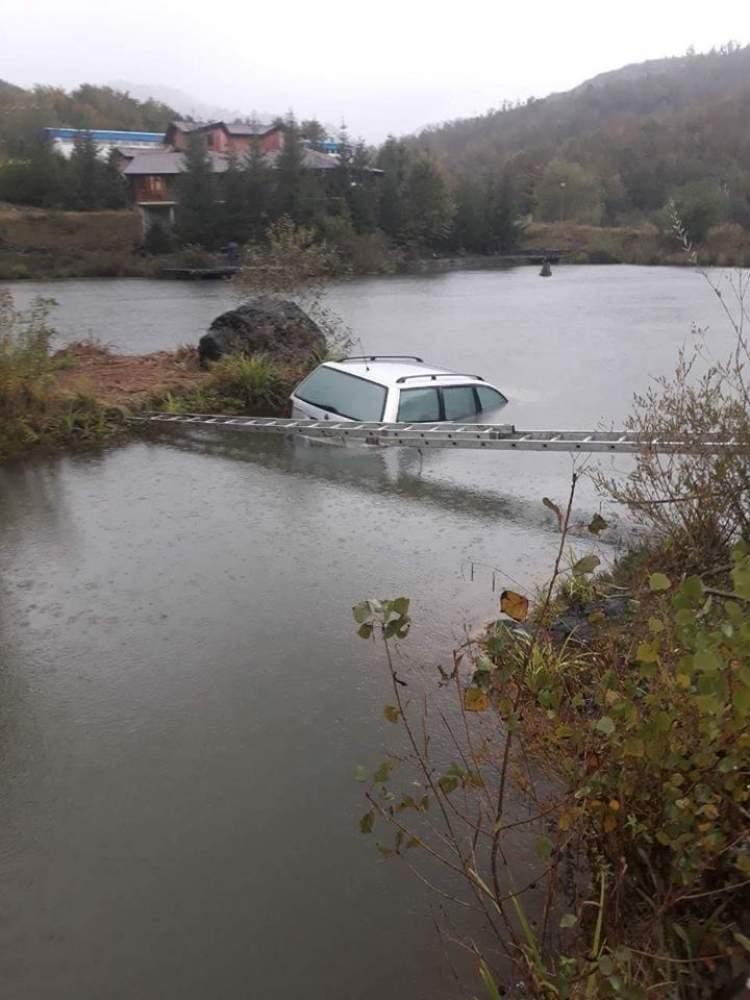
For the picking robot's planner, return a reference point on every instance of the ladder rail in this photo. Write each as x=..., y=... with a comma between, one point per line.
x=493, y=437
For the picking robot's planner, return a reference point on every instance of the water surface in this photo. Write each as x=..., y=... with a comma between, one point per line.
x=182, y=698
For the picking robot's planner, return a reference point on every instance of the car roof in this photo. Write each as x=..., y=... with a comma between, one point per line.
x=389, y=371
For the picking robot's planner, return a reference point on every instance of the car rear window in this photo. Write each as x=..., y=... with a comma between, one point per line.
x=459, y=402
x=418, y=405
x=490, y=399
x=343, y=394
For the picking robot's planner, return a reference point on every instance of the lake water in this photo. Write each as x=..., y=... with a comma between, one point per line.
x=182, y=698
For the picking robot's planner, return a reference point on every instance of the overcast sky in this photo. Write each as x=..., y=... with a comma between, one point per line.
x=382, y=66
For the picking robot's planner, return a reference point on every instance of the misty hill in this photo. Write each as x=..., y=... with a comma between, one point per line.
x=635, y=134
x=23, y=113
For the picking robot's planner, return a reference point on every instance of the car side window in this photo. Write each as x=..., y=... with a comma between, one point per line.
x=418, y=405
x=490, y=399
x=459, y=402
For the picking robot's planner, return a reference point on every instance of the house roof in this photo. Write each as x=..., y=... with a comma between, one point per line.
x=130, y=151
x=233, y=128
x=312, y=159
x=167, y=162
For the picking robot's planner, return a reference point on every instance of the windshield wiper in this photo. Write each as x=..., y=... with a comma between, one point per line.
x=331, y=409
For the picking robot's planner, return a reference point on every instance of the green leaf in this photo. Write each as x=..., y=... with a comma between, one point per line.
x=586, y=565
x=707, y=661
x=597, y=524
x=448, y=783
x=605, y=725
x=742, y=939
x=401, y=606
x=488, y=981
x=383, y=771
x=634, y=747
x=568, y=920
x=658, y=581
x=646, y=653
x=476, y=700
x=365, y=631
x=606, y=965
x=692, y=589
x=655, y=625
x=483, y=664
x=360, y=773
x=543, y=848
x=361, y=612
x=367, y=822
x=391, y=713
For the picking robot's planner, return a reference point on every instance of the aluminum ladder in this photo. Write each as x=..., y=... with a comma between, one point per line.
x=496, y=437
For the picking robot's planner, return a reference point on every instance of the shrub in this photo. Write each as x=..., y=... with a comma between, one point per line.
x=32, y=411
x=700, y=501
x=256, y=381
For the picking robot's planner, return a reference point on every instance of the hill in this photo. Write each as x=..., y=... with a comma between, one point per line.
x=617, y=147
x=24, y=112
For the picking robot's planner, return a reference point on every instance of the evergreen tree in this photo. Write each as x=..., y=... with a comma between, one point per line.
x=313, y=132
x=393, y=160
x=503, y=229
x=40, y=180
x=363, y=191
x=196, y=220
x=114, y=189
x=259, y=191
x=289, y=173
x=85, y=173
x=428, y=208
x=235, y=208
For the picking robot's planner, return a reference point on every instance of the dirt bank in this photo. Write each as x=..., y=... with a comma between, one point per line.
x=127, y=380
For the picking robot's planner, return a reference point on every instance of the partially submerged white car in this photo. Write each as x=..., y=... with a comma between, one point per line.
x=394, y=389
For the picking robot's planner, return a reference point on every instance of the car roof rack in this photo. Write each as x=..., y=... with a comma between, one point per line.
x=381, y=357
x=436, y=375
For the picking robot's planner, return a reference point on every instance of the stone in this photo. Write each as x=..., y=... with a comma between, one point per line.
x=276, y=327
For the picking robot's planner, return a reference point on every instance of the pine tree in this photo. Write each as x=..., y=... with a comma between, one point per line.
x=259, y=192
x=363, y=192
x=114, y=190
x=196, y=196
x=289, y=173
x=85, y=175
x=234, y=212
x=393, y=160
x=428, y=208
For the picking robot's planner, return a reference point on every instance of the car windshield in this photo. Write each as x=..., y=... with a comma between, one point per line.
x=343, y=394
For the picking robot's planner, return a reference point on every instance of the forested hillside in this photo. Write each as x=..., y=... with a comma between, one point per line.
x=24, y=112
x=615, y=149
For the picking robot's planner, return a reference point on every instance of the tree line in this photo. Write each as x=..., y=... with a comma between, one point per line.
x=24, y=113
x=47, y=179
x=390, y=192
x=619, y=148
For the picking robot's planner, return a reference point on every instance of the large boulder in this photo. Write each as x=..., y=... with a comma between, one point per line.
x=266, y=325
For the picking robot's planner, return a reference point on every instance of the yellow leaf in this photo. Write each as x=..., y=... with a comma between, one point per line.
x=566, y=821
x=476, y=700
x=516, y=606
x=614, y=805
x=610, y=823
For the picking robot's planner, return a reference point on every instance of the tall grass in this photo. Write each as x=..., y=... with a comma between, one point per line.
x=255, y=380
x=32, y=409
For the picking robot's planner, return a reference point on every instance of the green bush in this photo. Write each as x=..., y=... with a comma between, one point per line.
x=256, y=381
